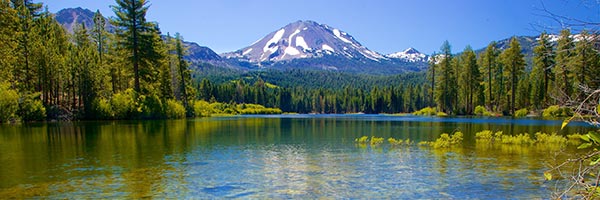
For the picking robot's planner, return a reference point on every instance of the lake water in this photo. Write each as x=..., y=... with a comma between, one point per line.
x=274, y=156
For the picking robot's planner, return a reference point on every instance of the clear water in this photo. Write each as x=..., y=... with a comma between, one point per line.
x=278, y=156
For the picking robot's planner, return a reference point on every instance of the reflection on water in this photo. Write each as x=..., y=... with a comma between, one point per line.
x=298, y=156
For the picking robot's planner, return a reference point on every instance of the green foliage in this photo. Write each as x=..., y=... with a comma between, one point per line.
x=557, y=111
x=9, y=102
x=375, y=141
x=489, y=137
x=395, y=142
x=202, y=108
x=362, y=140
x=521, y=112
x=446, y=141
x=426, y=111
x=482, y=111
x=124, y=105
x=103, y=109
x=255, y=109
x=151, y=107
x=175, y=109
x=31, y=108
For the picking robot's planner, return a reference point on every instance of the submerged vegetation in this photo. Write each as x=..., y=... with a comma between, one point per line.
x=485, y=137
x=445, y=141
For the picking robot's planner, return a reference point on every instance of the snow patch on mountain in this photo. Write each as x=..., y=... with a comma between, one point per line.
x=247, y=51
x=301, y=43
x=409, y=55
x=327, y=48
x=270, y=44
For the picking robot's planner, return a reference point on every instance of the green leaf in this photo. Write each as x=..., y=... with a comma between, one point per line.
x=585, y=138
x=595, y=136
x=565, y=123
x=595, y=162
x=548, y=175
x=584, y=145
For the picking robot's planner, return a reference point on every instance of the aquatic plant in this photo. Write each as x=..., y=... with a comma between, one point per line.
x=376, y=141
x=393, y=141
x=446, y=141
x=362, y=140
x=426, y=111
x=517, y=139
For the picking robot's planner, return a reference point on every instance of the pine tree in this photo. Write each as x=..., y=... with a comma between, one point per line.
x=8, y=46
x=541, y=75
x=27, y=12
x=431, y=76
x=562, y=70
x=84, y=69
x=470, y=78
x=445, y=92
x=489, y=67
x=135, y=36
x=585, y=61
x=514, y=63
x=185, y=83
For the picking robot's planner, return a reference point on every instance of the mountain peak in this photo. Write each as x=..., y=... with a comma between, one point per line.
x=409, y=55
x=304, y=39
x=69, y=17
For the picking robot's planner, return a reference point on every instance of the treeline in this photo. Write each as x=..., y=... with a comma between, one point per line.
x=563, y=73
x=406, y=97
x=47, y=72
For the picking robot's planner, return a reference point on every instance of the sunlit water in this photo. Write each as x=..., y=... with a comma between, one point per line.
x=282, y=156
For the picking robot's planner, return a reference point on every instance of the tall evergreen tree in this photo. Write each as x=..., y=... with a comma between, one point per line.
x=470, y=78
x=185, y=83
x=445, y=93
x=541, y=75
x=8, y=46
x=514, y=61
x=562, y=70
x=585, y=61
x=489, y=67
x=135, y=34
x=431, y=75
x=27, y=12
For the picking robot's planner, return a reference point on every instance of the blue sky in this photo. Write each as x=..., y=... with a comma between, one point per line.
x=385, y=26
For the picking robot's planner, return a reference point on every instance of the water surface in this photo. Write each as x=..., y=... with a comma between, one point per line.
x=275, y=156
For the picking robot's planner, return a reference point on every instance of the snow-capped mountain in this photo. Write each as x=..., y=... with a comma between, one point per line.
x=305, y=39
x=409, y=55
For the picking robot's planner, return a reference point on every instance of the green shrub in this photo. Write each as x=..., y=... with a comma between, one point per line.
x=124, y=105
x=441, y=114
x=9, y=102
x=151, y=107
x=32, y=108
x=175, y=110
x=557, y=111
x=102, y=109
x=521, y=113
x=429, y=111
x=255, y=109
x=480, y=110
x=202, y=109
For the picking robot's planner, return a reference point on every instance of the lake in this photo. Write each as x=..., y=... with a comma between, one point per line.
x=273, y=156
